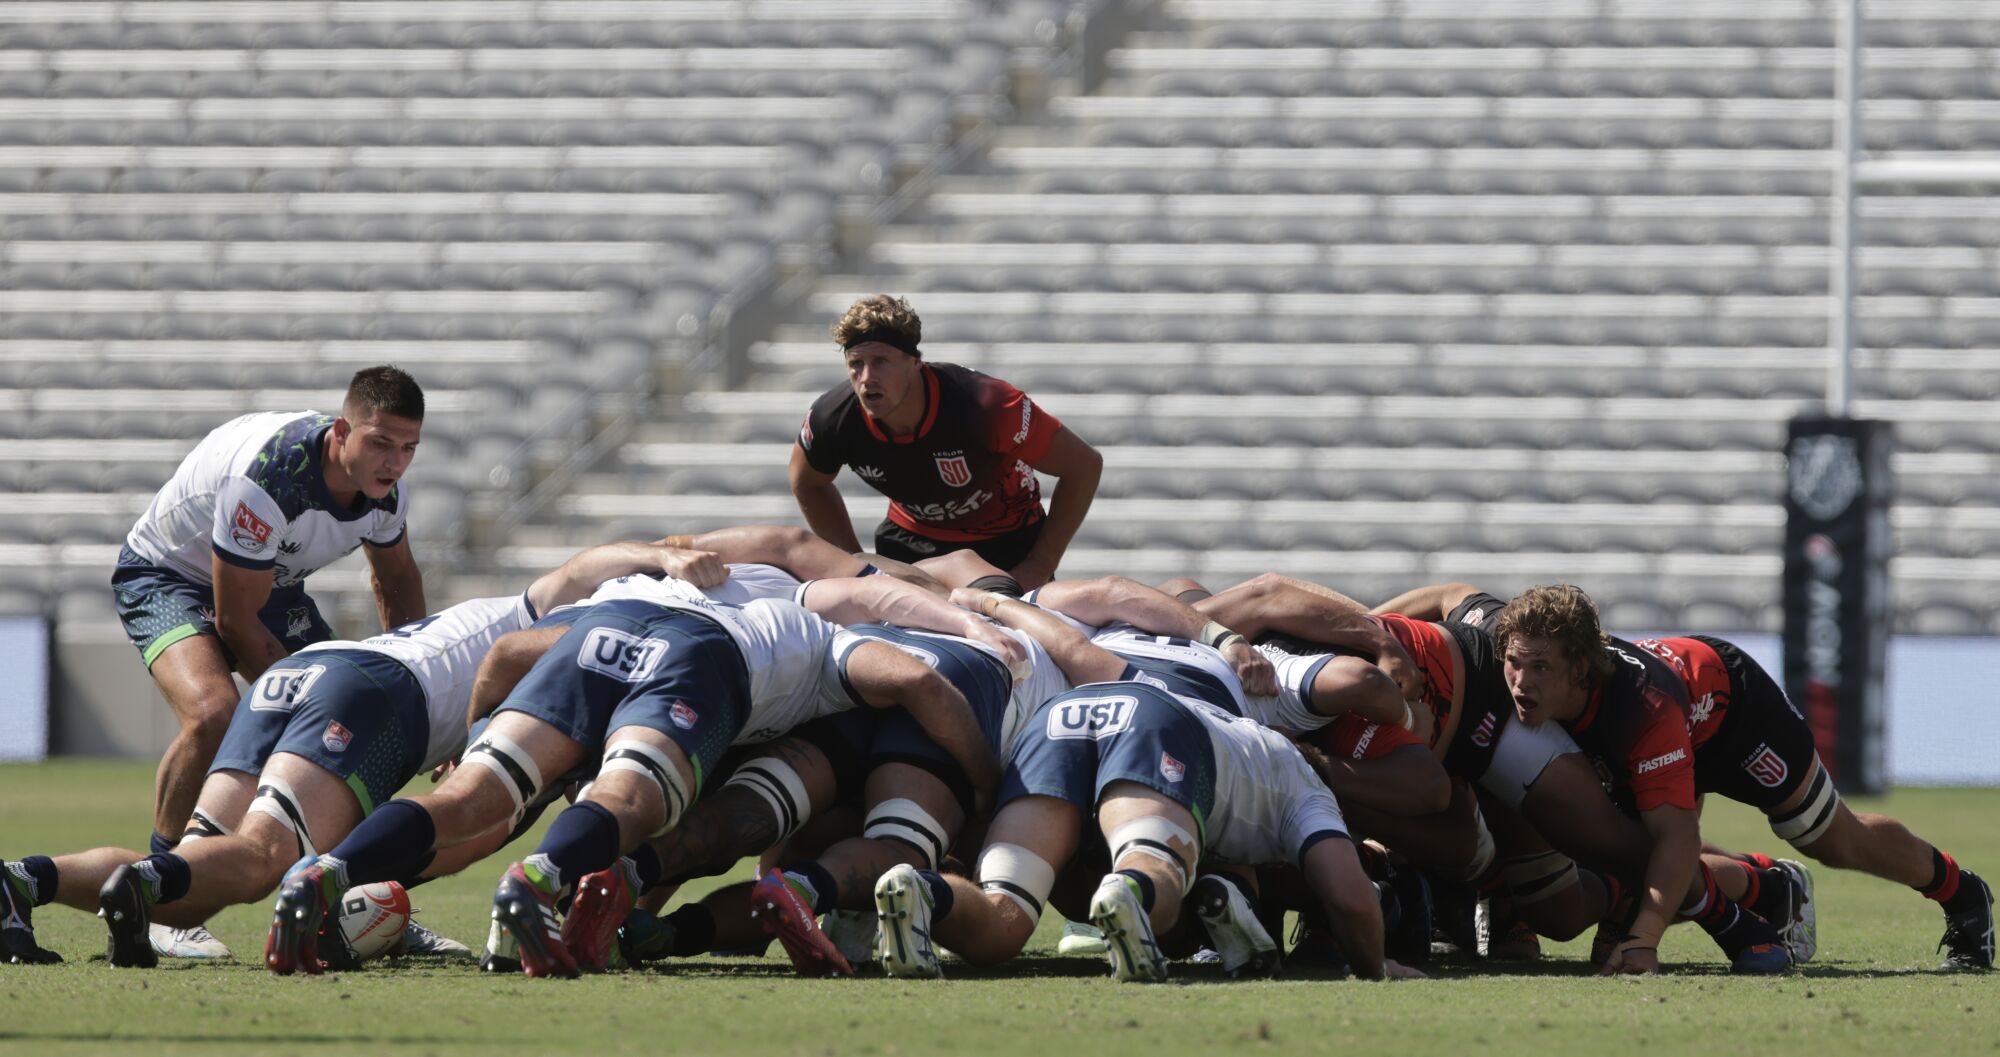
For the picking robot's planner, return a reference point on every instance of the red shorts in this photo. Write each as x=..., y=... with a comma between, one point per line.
x=1352, y=738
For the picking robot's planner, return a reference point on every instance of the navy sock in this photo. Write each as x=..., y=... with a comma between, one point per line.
x=161, y=843
x=415, y=876
x=393, y=842
x=1239, y=884
x=646, y=863
x=1145, y=884
x=825, y=890
x=694, y=930
x=582, y=840
x=167, y=874
x=941, y=896
x=42, y=870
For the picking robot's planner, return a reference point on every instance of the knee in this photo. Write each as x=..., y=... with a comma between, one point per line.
x=207, y=721
x=1558, y=919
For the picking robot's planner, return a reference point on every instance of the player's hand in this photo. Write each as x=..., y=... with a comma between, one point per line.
x=442, y=770
x=972, y=598
x=700, y=568
x=1011, y=652
x=1395, y=970
x=1635, y=957
x=1253, y=669
x=1033, y=572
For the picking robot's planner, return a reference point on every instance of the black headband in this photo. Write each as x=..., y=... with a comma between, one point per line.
x=886, y=337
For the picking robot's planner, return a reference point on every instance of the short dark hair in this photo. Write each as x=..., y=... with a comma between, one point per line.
x=385, y=390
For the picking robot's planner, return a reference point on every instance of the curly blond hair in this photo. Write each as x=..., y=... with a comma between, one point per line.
x=1564, y=615
x=879, y=314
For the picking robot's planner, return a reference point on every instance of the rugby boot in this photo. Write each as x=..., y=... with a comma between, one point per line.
x=603, y=899
x=128, y=916
x=527, y=912
x=645, y=937
x=1407, y=938
x=1504, y=936
x=502, y=954
x=17, y=922
x=1968, y=932
x=1080, y=939
x=1246, y=949
x=784, y=913
x=903, y=913
x=1761, y=959
x=421, y=941
x=1314, y=950
x=193, y=942
x=297, y=921
x=1128, y=931
x=1801, y=930
x=853, y=934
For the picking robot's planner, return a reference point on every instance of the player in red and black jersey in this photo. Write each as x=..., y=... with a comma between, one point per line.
x=955, y=451
x=1752, y=746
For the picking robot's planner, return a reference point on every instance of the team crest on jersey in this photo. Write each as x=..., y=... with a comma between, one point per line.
x=336, y=738
x=954, y=470
x=627, y=658
x=249, y=531
x=1767, y=767
x=1171, y=769
x=683, y=716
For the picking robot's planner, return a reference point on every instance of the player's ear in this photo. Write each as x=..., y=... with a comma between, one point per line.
x=341, y=428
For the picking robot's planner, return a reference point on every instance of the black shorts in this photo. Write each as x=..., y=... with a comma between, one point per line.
x=1764, y=748
x=1478, y=611
x=1003, y=551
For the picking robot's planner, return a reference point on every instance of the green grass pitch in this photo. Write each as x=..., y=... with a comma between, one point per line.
x=1872, y=990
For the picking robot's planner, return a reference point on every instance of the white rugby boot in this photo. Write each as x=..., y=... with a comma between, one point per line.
x=1128, y=932
x=1080, y=939
x=195, y=942
x=1246, y=947
x=1801, y=933
x=903, y=914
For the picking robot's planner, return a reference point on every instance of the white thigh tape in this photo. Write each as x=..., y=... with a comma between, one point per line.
x=641, y=758
x=202, y=824
x=1533, y=878
x=1018, y=874
x=1808, y=822
x=906, y=822
x=510, y=763
x=774, y=780
x=276, y=799
x=1156, y=836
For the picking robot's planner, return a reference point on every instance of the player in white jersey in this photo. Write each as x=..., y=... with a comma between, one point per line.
x=1166, y=778
x=659, y=679
x=211, y=578
x=320, y=738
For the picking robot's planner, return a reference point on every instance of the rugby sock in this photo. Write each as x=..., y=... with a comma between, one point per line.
x=166, y=877
x=1944, y=878
x=941, y=896
x=1726, y=922
x=813, y=884
x=693, y=930
x=999, y=584
x=397, y=836
x=38, y=875
x=1757, y=859
x=1145, y=886
x=583, y=839
x=416, y=876
x=647, y=866
x=161, y=843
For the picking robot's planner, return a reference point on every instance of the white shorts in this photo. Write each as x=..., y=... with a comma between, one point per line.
x=1521, y=755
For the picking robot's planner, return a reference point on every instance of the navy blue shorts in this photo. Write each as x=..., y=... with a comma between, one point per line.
x=630, y=663
x=984, y=681
x=160, y=607
x=356, y=713
x=1185, y=679
x=1094, y=735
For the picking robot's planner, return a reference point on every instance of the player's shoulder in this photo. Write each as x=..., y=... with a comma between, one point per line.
x=1638, y=675
x=279, y=452
x=960, y=383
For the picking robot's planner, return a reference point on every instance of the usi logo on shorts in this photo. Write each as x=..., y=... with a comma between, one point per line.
x=1092, y=717
x=1767, y=767
x=279, y=690
x=624, y=657
x=954, y=470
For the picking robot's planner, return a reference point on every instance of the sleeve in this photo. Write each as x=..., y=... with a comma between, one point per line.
x=819, y=437
x=1015, y=425
x=1661, y=761
x=395, y=524
x=1477, y=611
x=248, y=525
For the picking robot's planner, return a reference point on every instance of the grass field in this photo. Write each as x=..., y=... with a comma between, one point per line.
x=1871, y=991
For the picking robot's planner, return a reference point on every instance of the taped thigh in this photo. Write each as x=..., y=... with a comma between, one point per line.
x=202, y=824
x=777, y=784
x=510, y=763
x=1533, y=878
x=906, y=822
x=1157, y=836
x=276, y=799
x=1808, y=822
x=643, y=759
x=1018, y=874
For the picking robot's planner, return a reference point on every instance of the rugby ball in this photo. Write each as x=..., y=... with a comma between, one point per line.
x=372, y=918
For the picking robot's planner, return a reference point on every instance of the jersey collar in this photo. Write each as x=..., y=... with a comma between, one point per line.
x=930, y=413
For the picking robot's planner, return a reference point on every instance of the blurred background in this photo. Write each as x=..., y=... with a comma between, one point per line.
x=1371, y=292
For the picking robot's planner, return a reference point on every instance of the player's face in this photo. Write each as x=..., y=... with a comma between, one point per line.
x=376, y=449
x=883, y=376
x=1543, y=682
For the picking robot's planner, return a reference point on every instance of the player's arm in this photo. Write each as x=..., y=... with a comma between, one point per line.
x=1406, y=781
x=1316, y=613
x=1077, y=467
x=820, y=502
x=887, y=600
x=588, y=569
x=240, y=593
x=1430, y=602
x=886, y=677
x=397, y=582
x=1676, y=837
x=1353, y=910
x=1081, y=660
x=505, y=665
x=787, y=547
x=1109, y=599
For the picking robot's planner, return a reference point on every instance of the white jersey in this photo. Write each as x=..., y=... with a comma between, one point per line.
x=746, y=583
x=1200, y=662
x=444, y=651
x=1268, y=801
x=253, y=492
x=1043, y=679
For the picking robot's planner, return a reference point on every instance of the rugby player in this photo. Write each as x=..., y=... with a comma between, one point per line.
x=956, y=452
x=660, y=679
x=1152, y=769
x=318, y=740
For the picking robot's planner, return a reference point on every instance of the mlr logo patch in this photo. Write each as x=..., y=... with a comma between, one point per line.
x=248, y=530
x=336, y=738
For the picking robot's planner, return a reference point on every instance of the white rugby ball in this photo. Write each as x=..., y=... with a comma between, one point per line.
x=372, y=918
